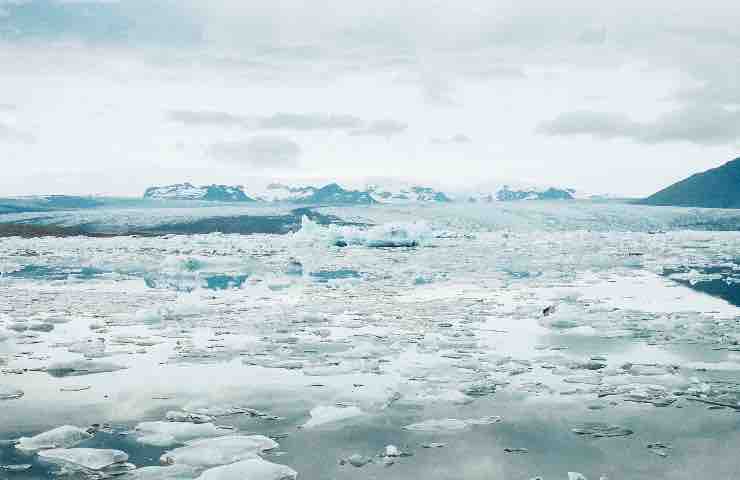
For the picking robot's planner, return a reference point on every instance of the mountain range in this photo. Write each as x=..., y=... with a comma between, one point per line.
x=363, y=193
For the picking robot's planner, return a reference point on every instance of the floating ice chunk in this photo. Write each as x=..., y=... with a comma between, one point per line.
x=61, y=437
x=171, y=472
x=322, y=415
x=600, y=430
x=252, y=469
x=90, y=458
x=391, y=451
x=576, y=476
x=387, y=235
x=175, y=416
x=450, y=425
x=356, y=460
x=8, y=392
x=165, y=434
x=15, y=468
x=81, y=367
x=213, y=452
x=659, y=448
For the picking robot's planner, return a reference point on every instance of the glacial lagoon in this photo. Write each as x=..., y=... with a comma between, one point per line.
x=507, y=341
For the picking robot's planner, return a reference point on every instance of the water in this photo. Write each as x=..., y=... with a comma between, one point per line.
x=332, y=350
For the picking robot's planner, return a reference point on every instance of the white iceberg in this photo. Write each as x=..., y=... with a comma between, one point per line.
x=61, y=437
x=90, y=458
x=213, y=452
x=449, y=425
x=165, y=434
x=252, y=469
x=324, y=414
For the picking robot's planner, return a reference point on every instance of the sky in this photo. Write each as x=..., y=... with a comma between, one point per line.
x=112, y=96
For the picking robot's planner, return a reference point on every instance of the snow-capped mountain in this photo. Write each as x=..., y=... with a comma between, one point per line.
x=188, y=191
x=362, y=192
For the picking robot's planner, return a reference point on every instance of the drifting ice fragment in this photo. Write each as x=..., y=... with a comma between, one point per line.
x=61, y=437
x=600, y=430
x=165, y=434
x=450, y=425
x=252, y=469
x=213, y=452
x=172, y=472
x=81, y=367
x=90, y=458
x=10, y=393
x=322, y=415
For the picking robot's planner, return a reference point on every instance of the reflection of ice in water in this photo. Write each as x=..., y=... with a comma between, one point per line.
x=189, y=345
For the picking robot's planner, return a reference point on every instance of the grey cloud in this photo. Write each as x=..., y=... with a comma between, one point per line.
x=382, y=128
x=459, y=138
x=277, y=121
x=11, y=134
x=206, y=117
x=703, y=125
x=261, y=151
x=7, y=107
x=310, y=121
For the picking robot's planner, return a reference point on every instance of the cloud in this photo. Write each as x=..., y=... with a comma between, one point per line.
x=702, y=125
x=308, y=121
x=277, y=121
x=206, y=118
x=261, y=151
x=382, y=128
x=9, y=133
x=459, y=138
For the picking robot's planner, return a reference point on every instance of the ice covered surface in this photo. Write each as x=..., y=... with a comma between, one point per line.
x=594, y=317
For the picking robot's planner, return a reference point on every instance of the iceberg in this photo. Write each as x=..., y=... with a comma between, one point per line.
x=323, y=415
x=61, y=437
x=90, y=458
x=252, y=469
x=213, y=452
x=165, y=434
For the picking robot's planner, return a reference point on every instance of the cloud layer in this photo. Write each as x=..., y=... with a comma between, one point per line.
x=262, y=152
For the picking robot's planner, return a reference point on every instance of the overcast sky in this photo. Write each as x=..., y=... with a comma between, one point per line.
x=106, y=96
